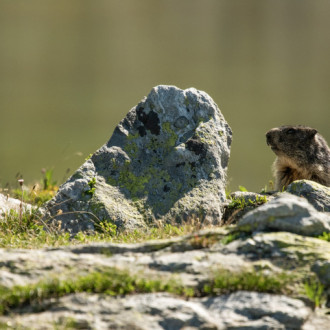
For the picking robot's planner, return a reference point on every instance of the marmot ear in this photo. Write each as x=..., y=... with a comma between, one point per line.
x=312, y=132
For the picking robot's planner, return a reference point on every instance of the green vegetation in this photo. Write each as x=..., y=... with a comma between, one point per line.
x=314, y=290
x=28, y=232
x=134, y=184
x=40, y=192
x=172, y=135
x=32, y=232
x=118, y=282
x=25, y=229
x=131, y=147
x=48, y=180
x=225, y=281
x=241, y=203
x=232, y=237
x=110, y=281
x=114, y=282
x=266, y=189
x=325, y=236
x=89, y=157
x=91, y=185
x=242, y=188
x=69, y=323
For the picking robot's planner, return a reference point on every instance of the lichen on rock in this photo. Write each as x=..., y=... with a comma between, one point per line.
x=166, y=161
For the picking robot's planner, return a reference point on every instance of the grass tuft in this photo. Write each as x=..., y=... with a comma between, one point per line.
x=314, y=290
x=325, y=236
x=32, y=232
x=110, y=281
x=116, y=282
x=225, y=282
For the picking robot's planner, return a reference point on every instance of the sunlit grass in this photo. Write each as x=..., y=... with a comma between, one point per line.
x=31, y=231
x=25, y=229
x=110, y=281
x=118, y=282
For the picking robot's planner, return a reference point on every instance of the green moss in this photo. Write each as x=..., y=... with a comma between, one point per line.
x=128, y=180
x=131, y=137
x=172, y=136
x=153, y=144
x=203, y=134
x=131, y=147
x=134, y=184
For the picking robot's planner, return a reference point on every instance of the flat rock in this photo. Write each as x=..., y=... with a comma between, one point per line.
x=286, y=213
x=240, y=310
x=317, y=194
x=165, y=162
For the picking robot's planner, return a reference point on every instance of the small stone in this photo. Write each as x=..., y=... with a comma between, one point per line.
x=317, y=194
x=286, y=213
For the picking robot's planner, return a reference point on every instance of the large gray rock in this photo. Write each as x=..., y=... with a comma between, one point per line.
x=166, y=161
x=317, y=194
x=286, y=213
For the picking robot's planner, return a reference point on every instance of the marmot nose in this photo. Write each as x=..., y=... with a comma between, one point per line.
x=268, y=138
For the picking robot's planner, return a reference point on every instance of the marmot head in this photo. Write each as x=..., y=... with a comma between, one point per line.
x=291, y=141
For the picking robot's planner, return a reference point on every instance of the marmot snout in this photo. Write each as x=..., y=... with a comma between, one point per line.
x=302, y=153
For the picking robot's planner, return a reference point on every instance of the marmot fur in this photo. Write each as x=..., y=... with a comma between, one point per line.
x=302, y=153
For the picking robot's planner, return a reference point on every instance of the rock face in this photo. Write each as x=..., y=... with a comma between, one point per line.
x=166, y=161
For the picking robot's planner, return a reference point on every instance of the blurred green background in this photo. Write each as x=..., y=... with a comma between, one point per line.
x=71, y=69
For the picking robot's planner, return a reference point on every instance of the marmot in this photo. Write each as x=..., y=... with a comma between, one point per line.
x=302, y=153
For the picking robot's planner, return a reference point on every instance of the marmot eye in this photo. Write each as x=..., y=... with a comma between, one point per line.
x=290, y=131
